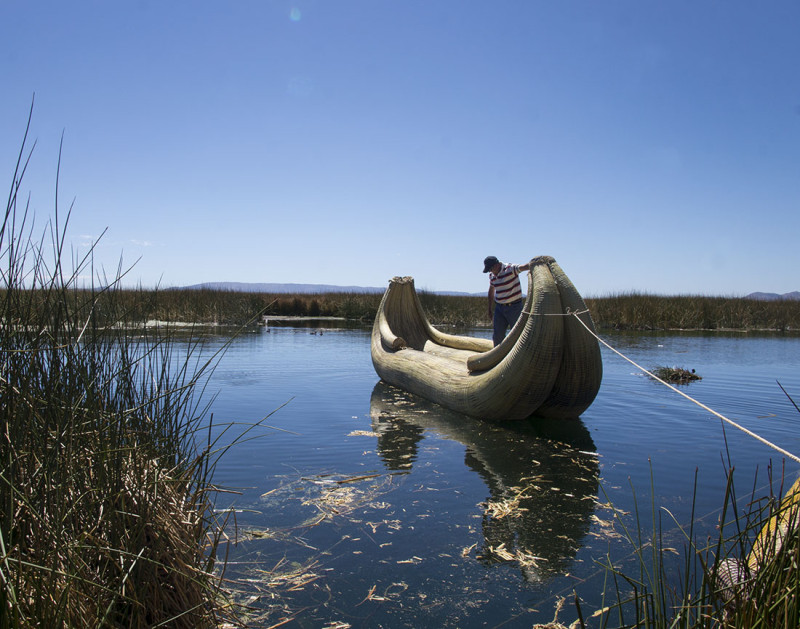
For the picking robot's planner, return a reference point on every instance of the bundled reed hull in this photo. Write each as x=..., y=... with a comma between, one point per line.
x=548, y=365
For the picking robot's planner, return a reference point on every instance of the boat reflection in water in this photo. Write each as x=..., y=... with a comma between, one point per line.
x=542, y=476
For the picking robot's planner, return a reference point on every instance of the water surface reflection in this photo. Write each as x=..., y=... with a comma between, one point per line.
x=542, y=476
x=372, y=508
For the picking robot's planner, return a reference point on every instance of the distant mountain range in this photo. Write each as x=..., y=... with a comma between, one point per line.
x=296, y=289
x=775, y=296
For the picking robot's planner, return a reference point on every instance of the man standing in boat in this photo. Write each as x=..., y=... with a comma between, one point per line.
x=505, y=295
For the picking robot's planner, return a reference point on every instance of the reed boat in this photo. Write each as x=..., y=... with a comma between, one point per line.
x=549, y=364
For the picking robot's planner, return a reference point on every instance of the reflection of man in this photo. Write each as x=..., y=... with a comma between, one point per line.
x=505, y=295
x=521, y=465
x=398, y=435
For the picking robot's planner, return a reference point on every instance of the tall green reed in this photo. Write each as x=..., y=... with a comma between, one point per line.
x=748, y=575
x=106, y=501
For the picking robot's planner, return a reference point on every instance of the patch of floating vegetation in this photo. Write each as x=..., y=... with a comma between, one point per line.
x=675, y=375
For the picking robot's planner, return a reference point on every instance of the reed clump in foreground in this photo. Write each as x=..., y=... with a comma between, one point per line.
x=746, y=576
x=106, y=514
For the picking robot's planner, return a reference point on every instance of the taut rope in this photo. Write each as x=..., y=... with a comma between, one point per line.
x=688, y=397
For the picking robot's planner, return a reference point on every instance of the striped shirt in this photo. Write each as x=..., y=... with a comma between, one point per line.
x=507, y=287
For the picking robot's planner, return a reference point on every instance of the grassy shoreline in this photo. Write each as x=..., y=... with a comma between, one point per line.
x=633, y=311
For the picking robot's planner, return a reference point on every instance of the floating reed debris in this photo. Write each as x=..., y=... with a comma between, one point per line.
x=675, y=375
x=266, y=596
x=508, y=506
x=334, y=495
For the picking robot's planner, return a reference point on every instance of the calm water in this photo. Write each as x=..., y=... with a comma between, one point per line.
x=364, y=506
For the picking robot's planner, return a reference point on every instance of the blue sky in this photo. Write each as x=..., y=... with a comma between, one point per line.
x=647, y=146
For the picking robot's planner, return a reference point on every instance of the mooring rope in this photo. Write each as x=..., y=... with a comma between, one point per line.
x=678, y=391
x=557, y=314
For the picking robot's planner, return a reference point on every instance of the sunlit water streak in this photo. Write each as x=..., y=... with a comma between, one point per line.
x=419, y=540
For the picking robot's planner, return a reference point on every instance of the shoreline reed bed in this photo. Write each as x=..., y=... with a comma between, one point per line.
x=625, y=312
x=640, y=311
x=106, y=502
x=235, y=309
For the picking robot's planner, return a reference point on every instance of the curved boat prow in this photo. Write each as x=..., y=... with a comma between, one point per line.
x=581, y=369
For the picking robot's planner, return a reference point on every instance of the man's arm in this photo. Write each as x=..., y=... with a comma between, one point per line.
x=491, y=301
